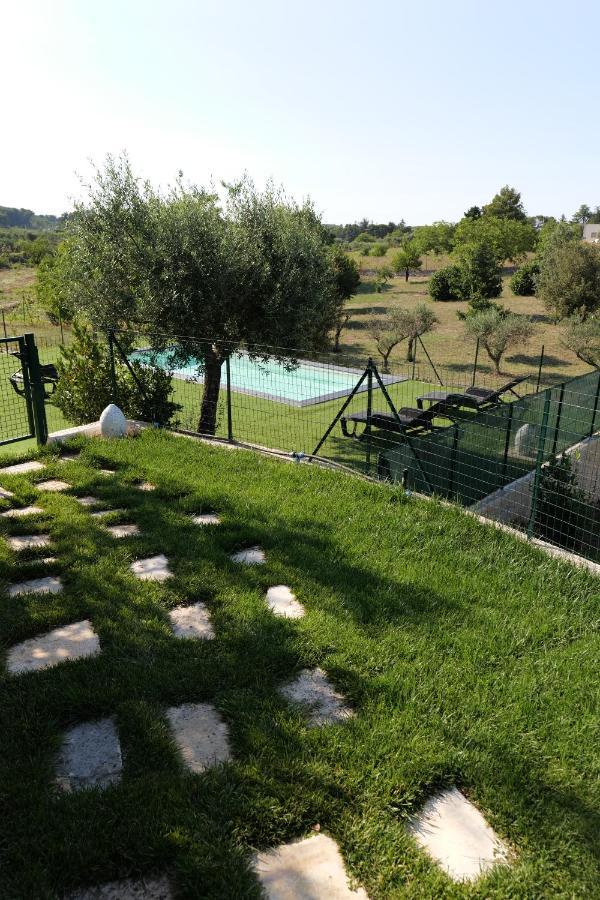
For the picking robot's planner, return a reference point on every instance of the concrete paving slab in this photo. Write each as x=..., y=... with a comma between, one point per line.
x=22, y=468
x=282, y=602
x=68, y=457
x=87, y=501
x=312, y=869
x=90, y=756
x=251, y=556
x=73, y=641
x=455, y=834
x=146, y=486
x=312, y=689
x=101, y=513
x=46, y=585
x=54, y=485
x=123, y=531
x=128, y=889
x=22, y=512
x=201, y=735
x=206, y=519
x=154, y=568
x=5, y=495
x=107, y=472
x=191, y=622
x=28, y=541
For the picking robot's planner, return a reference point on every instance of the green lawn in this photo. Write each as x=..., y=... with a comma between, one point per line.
x=469, y=657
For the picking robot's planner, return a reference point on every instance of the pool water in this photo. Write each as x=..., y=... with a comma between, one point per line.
x=303, y=385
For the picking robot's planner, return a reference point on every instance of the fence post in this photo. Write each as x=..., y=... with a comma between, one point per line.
x=475, y=363
x=595, y=410
x=507, y=441
x=558, y=415
x=369, y=410
x=111, y=359
x=538, y=465
x=539, y=378
x=414, y=359
x=37, y=389
x=453, y=460
x=228, y=384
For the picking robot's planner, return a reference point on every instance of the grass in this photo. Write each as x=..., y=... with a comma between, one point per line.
x=470, y=659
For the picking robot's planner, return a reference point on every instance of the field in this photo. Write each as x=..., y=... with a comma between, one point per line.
x=466, y=656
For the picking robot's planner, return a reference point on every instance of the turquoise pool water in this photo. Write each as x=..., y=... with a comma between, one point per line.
x=305, y=384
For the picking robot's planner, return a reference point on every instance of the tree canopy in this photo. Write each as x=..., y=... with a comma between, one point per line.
x=569, y=279
x=510, y=238
x=506, y=204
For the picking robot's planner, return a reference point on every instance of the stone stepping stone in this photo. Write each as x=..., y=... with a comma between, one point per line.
x=191, y=622
x=5, y=495
x=282, y=602
x=206, y=519
x=123, y=531
x=313, y=690
x=68, y=457
x=90, y=756
x=146, y=486
x=128, y=889
x=101, y=513
x=73, y=641
x=455, y=834
x=53, y=485
x=155, y=568
x=251, y=556
x=28, y=541
x=107, y=472
x=47, y=585
x=87, y=501
x=311, y=869
x=22, y=512
x=23, y=468
x=200, y=734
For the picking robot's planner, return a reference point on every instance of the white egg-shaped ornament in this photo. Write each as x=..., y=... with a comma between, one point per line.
x=112, y=422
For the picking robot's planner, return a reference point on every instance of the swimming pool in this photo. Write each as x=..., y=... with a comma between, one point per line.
x=305, y=384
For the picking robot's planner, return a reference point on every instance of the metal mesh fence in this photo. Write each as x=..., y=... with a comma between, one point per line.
x=15, y=412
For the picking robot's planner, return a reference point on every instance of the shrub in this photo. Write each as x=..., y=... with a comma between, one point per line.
x=564, y=514
x=481, y=275
x=523, y=281
x=446, y=284
x=85, y=384
x=378, y=250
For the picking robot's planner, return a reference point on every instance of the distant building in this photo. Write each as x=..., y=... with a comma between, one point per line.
x=591, y=234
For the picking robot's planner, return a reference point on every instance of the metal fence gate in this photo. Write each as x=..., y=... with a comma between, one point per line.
x=22, y=410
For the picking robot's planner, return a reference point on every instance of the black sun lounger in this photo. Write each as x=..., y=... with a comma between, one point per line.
x=49, y=376
x=473, y=397
x=409, y=419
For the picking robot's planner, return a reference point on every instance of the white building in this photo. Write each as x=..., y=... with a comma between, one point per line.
x=591, y=234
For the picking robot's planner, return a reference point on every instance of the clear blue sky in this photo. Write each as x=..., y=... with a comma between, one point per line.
x=385, y=110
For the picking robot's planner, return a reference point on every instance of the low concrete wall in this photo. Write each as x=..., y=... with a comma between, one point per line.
x=92, y=429
x=512, y=504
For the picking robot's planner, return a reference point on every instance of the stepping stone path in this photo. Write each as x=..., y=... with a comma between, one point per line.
x=28, y=541
x=87, y=501
x=5, y=495
x=200, y=734
x=252, y=556
x=128, y=889
x=191, y=622
x=68, y=457
x=146, y=486
x=312, y=869
x=90, y=756
x=456, y=835
x=107, y=472
x=47, y=585
x=22, y=512
x=123, y=531
x=23, y=468
x=53, y=485
x=312, y=689
x=206, y=519
x=73, y=641
x=155, y=568
x=282, y=602
x=99, y=514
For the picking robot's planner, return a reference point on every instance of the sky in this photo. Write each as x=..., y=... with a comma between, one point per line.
x=384, y=110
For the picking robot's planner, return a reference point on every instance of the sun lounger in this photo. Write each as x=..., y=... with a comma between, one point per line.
x=472, y=397
x=409, y=420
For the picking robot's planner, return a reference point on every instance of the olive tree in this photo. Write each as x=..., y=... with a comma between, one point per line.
x=210, y=277
x=407, y=259
x=387, y=332
x=497, y=331
x=582, y=337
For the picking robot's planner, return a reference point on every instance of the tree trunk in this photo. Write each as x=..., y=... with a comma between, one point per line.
x=410, y=352
x=386, y=356
x=210, y=397
x=406, y=275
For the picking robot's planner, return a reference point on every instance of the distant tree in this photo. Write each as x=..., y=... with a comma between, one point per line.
x=594, y=219
x=582, y=337
x=447, y=284
x=387, y=332
x=569, y=279
x=437, y=238
x=582, y=215
x=255, y=274
x=416, y=322
x=407, y=259
x=347, y=281
x=523, y=282
x=481, y=274
x=52, y=285
x=506, y=204
x=553, y=230
x=474, y=212
x=497, y=331
x=378, y=250
x=509, y=238
x=383, y=275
